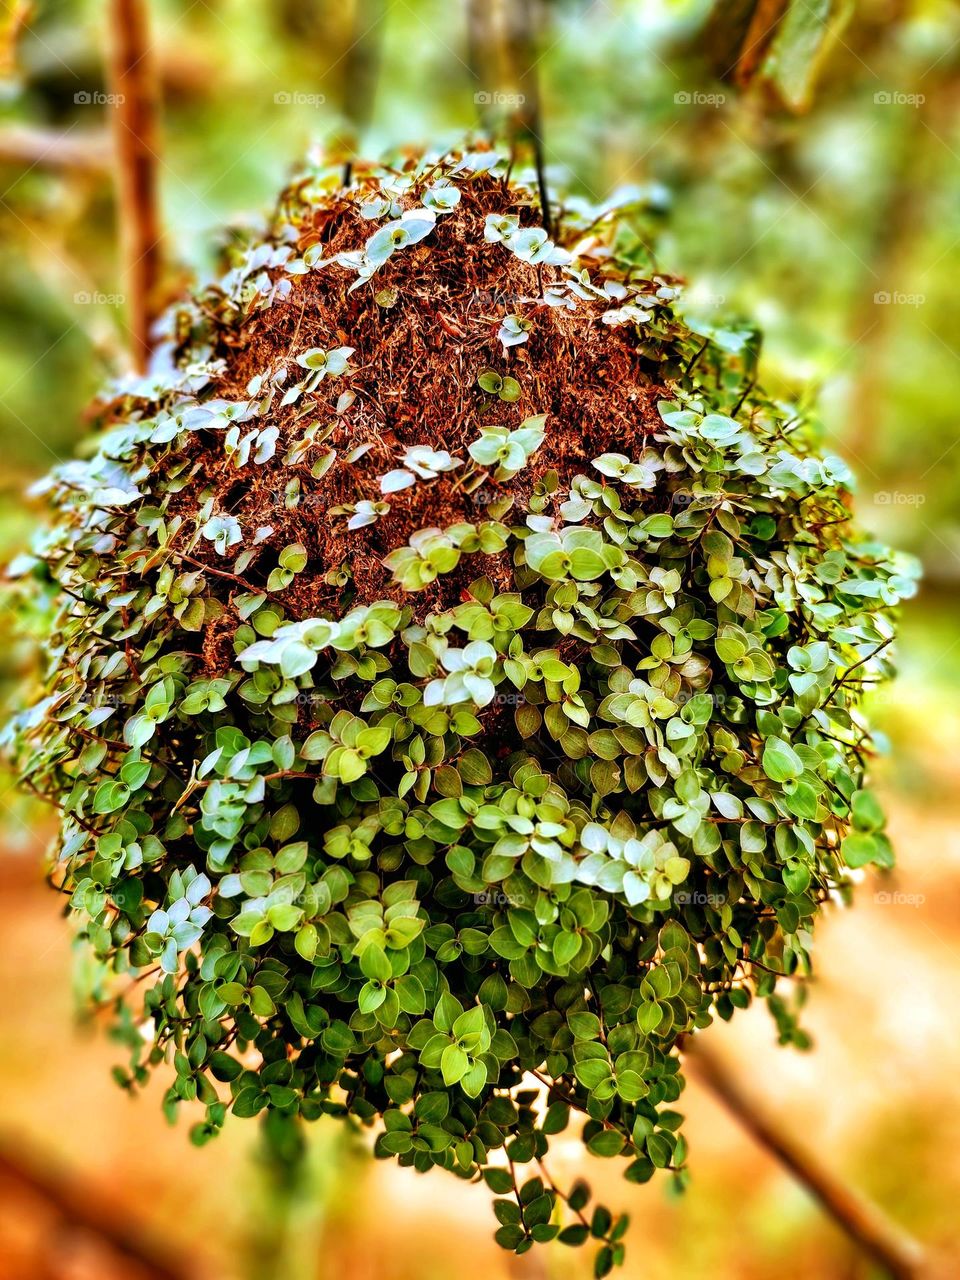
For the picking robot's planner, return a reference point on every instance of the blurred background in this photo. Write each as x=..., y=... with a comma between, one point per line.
x=800, y=165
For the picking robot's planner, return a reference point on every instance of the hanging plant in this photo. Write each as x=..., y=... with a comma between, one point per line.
x=452, y=815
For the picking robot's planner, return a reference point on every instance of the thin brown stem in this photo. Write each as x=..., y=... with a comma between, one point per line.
x=563, y=1195
x=845, y=675
x=231, y=577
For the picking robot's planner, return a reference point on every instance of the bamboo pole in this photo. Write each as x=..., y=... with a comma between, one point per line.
x=481, y=61
x=133, y=84
x=900, y=1256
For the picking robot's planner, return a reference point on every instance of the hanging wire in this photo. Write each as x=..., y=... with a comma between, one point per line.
x=361, y=71
x=522, y=23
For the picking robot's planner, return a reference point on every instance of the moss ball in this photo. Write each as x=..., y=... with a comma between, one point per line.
x=452, y=666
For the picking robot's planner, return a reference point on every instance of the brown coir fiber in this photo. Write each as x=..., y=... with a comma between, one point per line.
x=414, y=377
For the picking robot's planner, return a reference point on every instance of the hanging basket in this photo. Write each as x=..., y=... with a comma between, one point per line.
x=451, y=690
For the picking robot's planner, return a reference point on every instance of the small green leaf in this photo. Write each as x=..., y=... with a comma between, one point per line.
x=780, y=762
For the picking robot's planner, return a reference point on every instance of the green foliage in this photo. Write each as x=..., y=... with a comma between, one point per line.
x=508, y=451
x=505, y=388
x=457, y=874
